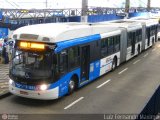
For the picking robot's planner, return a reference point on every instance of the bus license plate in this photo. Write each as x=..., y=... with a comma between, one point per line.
x=24, y=92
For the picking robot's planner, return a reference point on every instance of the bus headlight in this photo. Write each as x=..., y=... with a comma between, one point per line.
x=11, y=82
x=43, y=87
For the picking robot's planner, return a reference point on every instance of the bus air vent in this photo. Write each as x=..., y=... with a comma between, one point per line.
x=29, y=36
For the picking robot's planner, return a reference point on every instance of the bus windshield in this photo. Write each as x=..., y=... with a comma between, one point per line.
x=31, y=65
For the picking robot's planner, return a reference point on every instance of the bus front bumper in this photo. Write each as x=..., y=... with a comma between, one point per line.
x=42, y=95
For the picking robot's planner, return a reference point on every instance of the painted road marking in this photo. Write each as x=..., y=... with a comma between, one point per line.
x=145, y=55
x=103, y=83
x=123, y=71
x=70, y=105
x=137, y=61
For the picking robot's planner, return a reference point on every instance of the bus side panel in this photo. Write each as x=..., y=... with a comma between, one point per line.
x=123, y=45
x=143, y=37
x=63, y=82
x=94, y=70
x=136, y=47
x=106, y=63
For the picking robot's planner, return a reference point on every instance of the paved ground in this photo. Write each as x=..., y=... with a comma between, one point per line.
x=126, y=90
x=3, y=79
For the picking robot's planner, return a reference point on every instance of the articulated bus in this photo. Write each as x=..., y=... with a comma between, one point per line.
x=133, y=35
x=52, y=60
x=150, y=27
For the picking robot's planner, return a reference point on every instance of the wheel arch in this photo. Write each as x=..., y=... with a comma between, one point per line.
x=75, y=77
x=116, y=59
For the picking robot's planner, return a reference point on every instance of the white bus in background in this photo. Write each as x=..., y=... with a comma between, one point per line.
x=150, y=27
x=133, y=35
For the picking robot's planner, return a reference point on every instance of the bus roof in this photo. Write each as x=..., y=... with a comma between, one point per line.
x=130, y=25
x=146, y=20
x=57, y=32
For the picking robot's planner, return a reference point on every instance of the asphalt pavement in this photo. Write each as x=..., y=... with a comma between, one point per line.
x=127, y=90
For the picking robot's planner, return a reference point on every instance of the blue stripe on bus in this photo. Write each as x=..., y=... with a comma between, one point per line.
x=77, y=41
x=64, y=81
x=25, y=87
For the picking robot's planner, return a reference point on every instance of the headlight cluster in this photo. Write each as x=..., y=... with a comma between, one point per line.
x=42, y=87
x=11, y=82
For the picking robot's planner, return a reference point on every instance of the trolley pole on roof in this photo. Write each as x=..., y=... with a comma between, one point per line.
x=127, y=6
x=84, y=17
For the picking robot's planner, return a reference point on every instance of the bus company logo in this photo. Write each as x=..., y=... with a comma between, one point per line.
x=4, y=116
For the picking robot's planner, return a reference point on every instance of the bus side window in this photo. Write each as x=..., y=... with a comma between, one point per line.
x=117, y=43
x=63, y=67
x=129, y=39
x=110, y=45
x=95, y=51
x=73, y=57
x=140, y=35
x=104, y=47
x=137, y=36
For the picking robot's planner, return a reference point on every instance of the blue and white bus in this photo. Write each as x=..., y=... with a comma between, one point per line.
x=150, y=27
x=52, y=60
x=132, y=37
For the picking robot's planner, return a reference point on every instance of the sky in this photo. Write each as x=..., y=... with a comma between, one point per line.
x=57, y=4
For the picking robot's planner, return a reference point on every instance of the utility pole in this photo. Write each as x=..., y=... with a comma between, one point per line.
x=46, y=4
x=127, y=6
x=84, y=17
x=149, y=5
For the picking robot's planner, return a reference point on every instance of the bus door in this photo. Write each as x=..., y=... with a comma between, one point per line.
x=133, y=42
x=85, y=50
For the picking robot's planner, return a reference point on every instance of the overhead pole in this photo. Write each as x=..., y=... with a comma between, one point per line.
x=84, y=17
x=44, y=20
x=148, y=5
x=127, y=6
x=46, y=4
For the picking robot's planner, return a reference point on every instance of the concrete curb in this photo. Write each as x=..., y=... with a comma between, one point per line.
x=5, y=94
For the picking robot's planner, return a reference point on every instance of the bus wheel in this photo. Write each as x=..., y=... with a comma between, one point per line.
x=138, y=49
x=153, y=41
x=114, y=64
x=72, y=86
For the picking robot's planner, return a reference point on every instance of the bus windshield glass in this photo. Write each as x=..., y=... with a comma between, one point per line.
x=31, y=65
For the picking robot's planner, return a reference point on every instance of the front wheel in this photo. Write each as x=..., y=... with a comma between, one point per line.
x=114, y=64
x=72, y=86
x=138, y=50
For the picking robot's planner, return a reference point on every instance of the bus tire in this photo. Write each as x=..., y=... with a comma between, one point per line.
x=138, y=49
x=72, y=85
x=114, y=63
x=153, y=42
